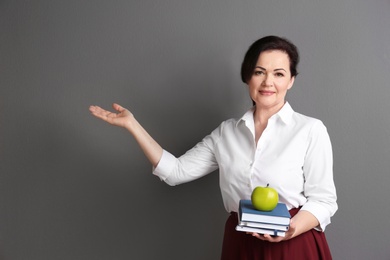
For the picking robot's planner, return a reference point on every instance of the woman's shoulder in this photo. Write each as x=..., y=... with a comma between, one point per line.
x=227, y=126
x=233, y=122
x=311, y=124
x=228, y=123
x=305, y=119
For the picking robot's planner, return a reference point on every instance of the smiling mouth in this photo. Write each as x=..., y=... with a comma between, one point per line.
x=266, y=93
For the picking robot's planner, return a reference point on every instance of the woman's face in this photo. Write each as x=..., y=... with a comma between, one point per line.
x=271, y=79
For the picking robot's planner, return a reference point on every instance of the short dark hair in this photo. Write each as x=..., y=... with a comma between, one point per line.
x=266, y=44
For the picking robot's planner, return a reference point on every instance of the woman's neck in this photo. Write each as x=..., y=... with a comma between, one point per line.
x=262, y=114
x=260, y=117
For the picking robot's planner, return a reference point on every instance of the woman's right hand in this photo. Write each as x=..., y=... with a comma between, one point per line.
x=125, y=118
x=122, y=118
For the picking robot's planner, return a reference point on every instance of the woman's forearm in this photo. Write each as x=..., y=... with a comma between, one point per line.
x=152, y=150
x=304, y=221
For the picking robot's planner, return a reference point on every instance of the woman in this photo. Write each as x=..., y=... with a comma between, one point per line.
x=271, y=144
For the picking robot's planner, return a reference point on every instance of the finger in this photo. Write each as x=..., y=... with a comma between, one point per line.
x=93, y=108
x=270, y=238
x=256, y=235
x=97, y=110
x=292, y=226
x=267, y=237
x=292, y=223
x=118, y=107
x=101, y=113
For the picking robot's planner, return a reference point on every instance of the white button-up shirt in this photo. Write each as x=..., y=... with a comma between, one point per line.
x=293, y=155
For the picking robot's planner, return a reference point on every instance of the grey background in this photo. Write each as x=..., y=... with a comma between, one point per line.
x=73, y=187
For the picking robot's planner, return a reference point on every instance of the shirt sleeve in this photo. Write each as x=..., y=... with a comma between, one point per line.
x=319, y=187
x=195, y=163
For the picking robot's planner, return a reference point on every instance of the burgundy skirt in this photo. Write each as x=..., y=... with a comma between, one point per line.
x=238, y=245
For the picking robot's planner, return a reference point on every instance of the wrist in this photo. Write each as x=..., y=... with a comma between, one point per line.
x=129, y=124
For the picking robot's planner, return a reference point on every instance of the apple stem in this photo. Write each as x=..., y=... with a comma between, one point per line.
x=267, y=184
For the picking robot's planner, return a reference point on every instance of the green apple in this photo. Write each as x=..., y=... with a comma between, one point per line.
x=264, y=198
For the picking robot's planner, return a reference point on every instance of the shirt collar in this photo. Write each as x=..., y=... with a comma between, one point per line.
x=285, y=114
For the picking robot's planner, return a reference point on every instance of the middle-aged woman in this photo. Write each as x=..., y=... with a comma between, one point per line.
x=270, y=144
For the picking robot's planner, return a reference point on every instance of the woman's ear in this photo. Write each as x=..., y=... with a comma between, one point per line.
x=291, y=82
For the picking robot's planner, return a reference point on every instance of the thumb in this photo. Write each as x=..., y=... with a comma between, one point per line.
x=118, y=107
x=292, y=224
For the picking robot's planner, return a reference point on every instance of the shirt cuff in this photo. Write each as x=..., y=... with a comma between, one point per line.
x=165, y=165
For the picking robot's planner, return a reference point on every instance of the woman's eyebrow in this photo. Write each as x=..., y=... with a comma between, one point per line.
x=259, y=67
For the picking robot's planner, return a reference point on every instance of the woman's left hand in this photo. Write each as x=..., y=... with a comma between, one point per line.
x=302, y=222
x=266, y=237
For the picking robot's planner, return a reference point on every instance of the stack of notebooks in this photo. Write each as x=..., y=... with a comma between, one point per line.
x=275, y=222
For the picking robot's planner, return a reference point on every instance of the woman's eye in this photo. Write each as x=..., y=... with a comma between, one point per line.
x=279, y=74
x=259, y=72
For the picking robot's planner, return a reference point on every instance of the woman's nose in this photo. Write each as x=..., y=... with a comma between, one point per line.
x=267, y=80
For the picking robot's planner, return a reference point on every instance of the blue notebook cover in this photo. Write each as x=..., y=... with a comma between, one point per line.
x=280, y=215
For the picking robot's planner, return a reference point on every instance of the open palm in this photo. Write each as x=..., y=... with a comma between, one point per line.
x=121, y=117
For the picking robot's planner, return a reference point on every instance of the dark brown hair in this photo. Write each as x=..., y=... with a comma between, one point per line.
x=265, y=44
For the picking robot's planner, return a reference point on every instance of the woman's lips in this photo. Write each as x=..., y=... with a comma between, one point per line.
x=266, y=93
